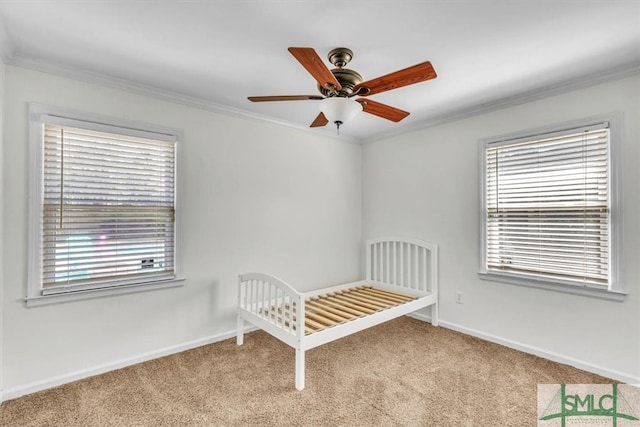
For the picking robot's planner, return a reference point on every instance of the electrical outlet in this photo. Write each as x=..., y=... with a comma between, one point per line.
x=459, y=295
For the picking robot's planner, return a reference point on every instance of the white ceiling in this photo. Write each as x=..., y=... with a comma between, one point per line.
x=216, y=53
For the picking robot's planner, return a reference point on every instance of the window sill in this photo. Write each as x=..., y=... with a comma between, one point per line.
x=553, y=286
x=38, y=300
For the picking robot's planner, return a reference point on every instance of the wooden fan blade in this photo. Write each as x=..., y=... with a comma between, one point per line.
x=382, y=110
x=408, y=76
x=283, y=98
x=314, y=65
x=319, y=121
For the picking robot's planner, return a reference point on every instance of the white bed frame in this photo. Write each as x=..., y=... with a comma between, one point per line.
x=406, y=266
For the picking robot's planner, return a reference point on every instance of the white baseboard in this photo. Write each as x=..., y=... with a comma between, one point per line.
x=13, y=393
x=420, y=316
x=555, y=357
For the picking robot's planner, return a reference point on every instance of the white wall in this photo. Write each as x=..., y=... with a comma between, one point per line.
x=426, y=185
x=256, y=197
x=2, y=96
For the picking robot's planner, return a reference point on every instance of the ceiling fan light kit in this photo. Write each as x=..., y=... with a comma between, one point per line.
x=339, y=110
x=340, y=84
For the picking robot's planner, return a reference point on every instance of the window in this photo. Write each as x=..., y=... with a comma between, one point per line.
x=104, y=214
x=550, y=214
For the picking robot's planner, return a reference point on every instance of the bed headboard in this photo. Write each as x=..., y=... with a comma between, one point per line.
x=409, y=263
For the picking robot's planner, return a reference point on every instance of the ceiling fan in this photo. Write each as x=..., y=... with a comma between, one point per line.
x=339, y=85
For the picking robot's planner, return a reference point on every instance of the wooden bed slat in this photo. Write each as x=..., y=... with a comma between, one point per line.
x=326, y=312
x=396, y=294
x=382, y=303
x=339, y=307
x=382, y=299
x=320, y=319
x=313, y=324
x=340, y=313
x=386, y=296
x=397, y=300
x=346, y=304
x=366, y=302
x=359, y=305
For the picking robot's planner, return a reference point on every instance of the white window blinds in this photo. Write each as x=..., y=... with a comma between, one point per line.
x=548, y=206
x=108, y=209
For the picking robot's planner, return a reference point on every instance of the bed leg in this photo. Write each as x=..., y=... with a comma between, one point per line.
x=240, y=333
x=299, y=369
x=434, y=314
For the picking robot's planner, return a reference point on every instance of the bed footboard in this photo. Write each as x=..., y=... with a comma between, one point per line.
x=275, y=307
x=271, y=304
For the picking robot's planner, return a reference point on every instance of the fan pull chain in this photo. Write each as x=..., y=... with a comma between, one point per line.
x=338, y=123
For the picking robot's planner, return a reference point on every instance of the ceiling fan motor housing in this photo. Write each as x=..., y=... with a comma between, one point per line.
x=348, y=79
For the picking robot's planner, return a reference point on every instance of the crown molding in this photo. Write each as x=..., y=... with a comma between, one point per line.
x=36, y=64
x=626, y=70
x=87, y=76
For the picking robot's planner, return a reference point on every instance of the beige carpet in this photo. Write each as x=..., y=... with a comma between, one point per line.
x=402, y=373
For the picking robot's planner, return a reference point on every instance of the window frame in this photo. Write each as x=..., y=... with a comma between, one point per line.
x=615, y=290
x=40, y=114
